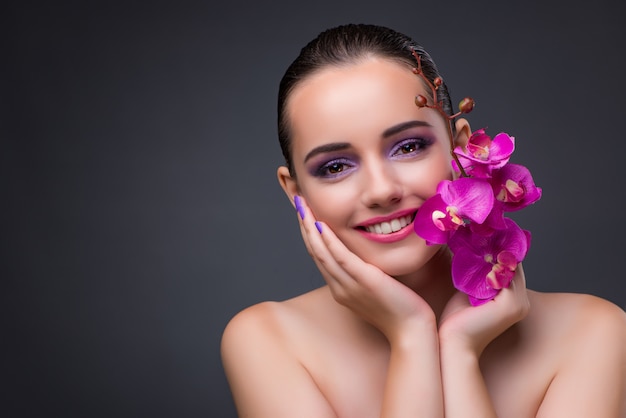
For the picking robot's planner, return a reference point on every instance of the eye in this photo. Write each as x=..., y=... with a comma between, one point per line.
x=334, y=168
x=410, y=147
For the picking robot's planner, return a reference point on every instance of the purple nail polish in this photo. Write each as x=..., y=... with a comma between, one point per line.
x=299, y=207
x=318, y=225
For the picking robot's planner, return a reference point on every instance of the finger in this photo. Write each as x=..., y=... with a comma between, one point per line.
x=311, y=230
x=304, y=213
x=351, y=274
x=517, y=287
x=352, y=266
x=343, y=257
x=305, y=237
x=519, y=280
x=512, y=302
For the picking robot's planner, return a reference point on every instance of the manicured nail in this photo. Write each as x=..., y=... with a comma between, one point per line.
x=299, y=207
x=318, y=225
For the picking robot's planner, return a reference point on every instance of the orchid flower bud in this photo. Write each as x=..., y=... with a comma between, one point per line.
x=421, y=101
x=466, y=105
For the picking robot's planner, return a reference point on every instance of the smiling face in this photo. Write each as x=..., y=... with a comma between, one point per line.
x=366, y=158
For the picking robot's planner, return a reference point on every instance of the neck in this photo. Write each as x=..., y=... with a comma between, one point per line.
x=434, y=281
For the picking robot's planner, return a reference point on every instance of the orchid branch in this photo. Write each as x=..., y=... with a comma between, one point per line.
x=465, y=106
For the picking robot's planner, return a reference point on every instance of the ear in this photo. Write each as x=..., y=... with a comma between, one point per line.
x=463, y=132
x=288, y=183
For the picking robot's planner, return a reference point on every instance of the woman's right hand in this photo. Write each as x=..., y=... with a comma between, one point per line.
x=381, y=300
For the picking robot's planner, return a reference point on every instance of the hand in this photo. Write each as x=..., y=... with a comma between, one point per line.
x=474, y=327
x=381, y=300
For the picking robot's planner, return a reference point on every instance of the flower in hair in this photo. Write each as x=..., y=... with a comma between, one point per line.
x=469, y=213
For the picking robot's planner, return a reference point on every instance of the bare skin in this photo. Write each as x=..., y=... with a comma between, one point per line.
x=389, y=336
x=565, y=359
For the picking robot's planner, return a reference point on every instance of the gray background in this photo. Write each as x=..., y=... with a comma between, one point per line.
x=140, y=208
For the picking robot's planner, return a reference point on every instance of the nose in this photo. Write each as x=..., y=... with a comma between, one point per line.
x=380, y=185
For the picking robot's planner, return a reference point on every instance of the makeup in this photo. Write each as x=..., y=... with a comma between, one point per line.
x=299, y=208
x=388, y=229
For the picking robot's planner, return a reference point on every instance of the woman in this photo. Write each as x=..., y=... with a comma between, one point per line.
x=389, y=335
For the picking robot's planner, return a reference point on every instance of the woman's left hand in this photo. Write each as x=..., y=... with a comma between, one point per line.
x=474, y=327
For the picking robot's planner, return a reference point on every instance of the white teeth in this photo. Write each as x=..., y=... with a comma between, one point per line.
x=389, y=227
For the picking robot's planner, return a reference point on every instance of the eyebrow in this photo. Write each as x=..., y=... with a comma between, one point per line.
x=335, y=146
x=341, y=146
x=403, y=126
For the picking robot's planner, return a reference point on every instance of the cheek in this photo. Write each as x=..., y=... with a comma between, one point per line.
x=331, y=203
x=424, y=178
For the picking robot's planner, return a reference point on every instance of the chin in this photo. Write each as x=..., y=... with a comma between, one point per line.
x=403, y=261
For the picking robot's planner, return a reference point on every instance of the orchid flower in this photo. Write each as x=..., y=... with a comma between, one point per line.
x=442, y=214
x=468, y=213
x=514, y=187
x=482, y=155
x=482, y=265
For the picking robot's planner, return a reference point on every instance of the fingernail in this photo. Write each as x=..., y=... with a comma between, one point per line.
x=299, y=207
x=318, y=225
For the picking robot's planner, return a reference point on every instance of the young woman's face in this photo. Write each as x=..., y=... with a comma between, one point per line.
x=366, y=158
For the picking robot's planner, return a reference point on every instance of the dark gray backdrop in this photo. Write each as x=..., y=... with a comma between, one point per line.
x=140, y=209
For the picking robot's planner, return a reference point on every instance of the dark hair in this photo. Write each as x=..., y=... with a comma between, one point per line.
x=347, y=44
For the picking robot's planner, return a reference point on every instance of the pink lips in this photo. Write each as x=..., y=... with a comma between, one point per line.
x=390, y=237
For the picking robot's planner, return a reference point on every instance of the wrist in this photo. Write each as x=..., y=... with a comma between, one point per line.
x=459, y=346
x=415, y=333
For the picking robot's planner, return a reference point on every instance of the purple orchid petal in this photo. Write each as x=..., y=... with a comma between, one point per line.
x=469, y=273
x=472, y=168
x=501, y=149
x=482, y=265
x=429, y=225
x=463, y=239
x=477, y=302
x=478, y=145
x=502, y=272
x=494, y=221
x=528, y=239
x=481, y=150
x=472, y=198
x=513, y=185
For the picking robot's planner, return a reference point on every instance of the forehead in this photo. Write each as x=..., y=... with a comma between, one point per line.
x=346, y=102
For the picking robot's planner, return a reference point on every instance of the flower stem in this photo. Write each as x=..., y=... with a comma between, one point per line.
x=437, y=106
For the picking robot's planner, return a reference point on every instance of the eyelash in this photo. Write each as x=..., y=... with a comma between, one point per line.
x=343, y=165
x=419, y=145
x=324, y=169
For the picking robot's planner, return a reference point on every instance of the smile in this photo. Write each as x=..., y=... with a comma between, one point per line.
x=391, y=226
x=389, y=229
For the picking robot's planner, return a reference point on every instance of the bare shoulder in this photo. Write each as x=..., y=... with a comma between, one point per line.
x=275, y=321
x=262, y=361
x=261, y=319
x=287, y=327
x=577, y=314
x=588, y=336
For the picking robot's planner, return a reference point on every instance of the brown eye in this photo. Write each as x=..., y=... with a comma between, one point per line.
x=335, y=168
x=408, y=148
